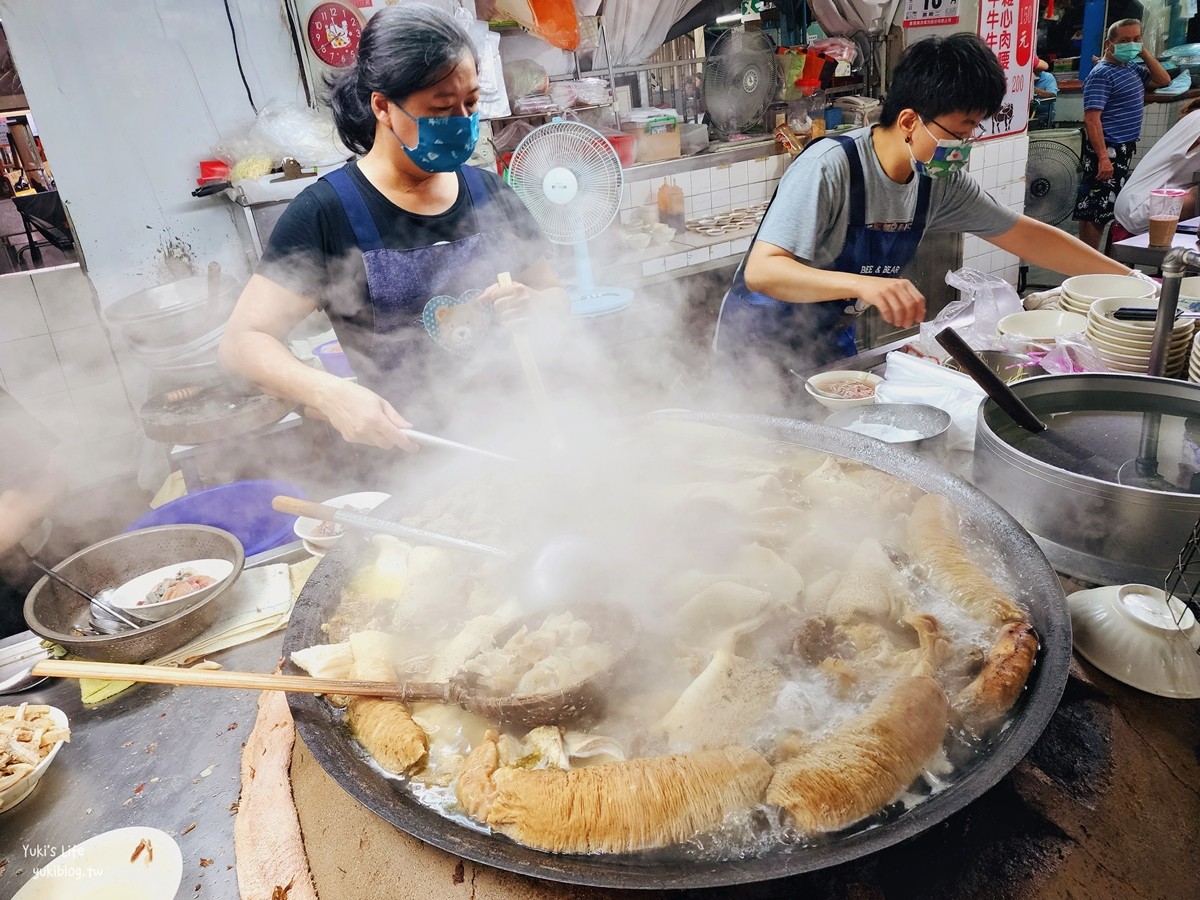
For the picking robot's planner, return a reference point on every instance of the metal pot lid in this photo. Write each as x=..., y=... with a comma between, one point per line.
x=326, y=737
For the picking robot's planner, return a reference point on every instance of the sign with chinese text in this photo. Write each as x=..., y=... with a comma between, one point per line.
x=925, y=13
x=1008, y=28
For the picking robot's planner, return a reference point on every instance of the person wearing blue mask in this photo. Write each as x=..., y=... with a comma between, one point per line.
x=402, y=247
x=851, y=210
x=1114, y=97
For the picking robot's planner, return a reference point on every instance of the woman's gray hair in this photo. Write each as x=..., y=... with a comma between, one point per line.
x=404, y=49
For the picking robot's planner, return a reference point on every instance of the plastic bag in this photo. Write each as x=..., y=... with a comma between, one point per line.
x=287, y=129
x=987, y=299
x=493, y=97
x=909, y=379
x=1070, y=354
x=525, y=78
x=841, y=49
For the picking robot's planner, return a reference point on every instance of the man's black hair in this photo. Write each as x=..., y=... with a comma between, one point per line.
x=942, y=75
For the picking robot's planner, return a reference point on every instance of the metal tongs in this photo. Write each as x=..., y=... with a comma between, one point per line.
x=1148, y=314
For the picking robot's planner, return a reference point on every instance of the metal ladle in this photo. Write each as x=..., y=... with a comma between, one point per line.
x=562, y=571
x=133, y=621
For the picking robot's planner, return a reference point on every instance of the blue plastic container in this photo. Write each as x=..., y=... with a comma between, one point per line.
x=242, y=508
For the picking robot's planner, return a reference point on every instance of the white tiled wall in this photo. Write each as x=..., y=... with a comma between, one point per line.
x=717, y=189
x=55, y=358
x=999, y=166
x=1156, y=121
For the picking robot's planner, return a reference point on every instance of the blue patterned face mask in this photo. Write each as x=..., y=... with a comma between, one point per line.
x=444, y=143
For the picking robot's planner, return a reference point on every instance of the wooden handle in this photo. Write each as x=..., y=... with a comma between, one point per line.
x=533, y=375
x=294, y=506
x=250, y=681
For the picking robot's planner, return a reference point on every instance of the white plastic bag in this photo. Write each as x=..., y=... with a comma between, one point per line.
x=493, y=98
x=909, y=379
x=986, y=300
x=307, y=135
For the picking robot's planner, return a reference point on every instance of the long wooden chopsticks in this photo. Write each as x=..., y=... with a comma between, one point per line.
x=249, y=681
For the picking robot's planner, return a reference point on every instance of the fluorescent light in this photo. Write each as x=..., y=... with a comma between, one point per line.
x=732, y=17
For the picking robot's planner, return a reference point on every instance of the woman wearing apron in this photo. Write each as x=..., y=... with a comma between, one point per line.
x=400, y=248
x=850, y=212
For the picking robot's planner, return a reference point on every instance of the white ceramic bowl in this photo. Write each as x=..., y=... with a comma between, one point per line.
x=110, y=869
x=636, y=240
x=1129, y=632
x=661, y=233
x=1189, y=293
x=132, y=594
x=1042, y=324
x=21, y=789
x=1093, y=287
x=816, y=384
x=306, y=528
x=1102, y=313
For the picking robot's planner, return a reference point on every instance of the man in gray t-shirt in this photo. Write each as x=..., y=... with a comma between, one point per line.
x=820, y=180
x=851, y=211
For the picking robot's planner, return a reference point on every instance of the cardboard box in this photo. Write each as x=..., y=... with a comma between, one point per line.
x=656, y=139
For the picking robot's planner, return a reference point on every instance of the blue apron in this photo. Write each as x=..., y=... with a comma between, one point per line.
x=804, y=336
x=399, y=353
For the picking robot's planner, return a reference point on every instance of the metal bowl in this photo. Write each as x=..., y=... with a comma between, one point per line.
x=172, y=314
x=927, y=421
x=62, y=616
x=1011, y=367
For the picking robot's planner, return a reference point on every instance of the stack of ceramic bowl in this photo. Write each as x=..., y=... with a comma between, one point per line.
x=1080, y=292
x=1194, y=361
x=1125, y=345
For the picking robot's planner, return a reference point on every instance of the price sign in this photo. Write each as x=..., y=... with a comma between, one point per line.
x=925, y=13
x=1007, y=27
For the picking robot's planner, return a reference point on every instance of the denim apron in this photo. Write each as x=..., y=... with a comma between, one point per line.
x=810, y=335
x=400, y=355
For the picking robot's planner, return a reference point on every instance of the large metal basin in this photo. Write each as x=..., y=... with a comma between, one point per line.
x=1093, y=529
x=332, y=747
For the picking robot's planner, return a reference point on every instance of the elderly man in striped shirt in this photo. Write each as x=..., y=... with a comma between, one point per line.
x=1114, y=96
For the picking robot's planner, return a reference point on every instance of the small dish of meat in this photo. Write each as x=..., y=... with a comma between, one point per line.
x=169, y=590
x=842, y=390
x=323, y=535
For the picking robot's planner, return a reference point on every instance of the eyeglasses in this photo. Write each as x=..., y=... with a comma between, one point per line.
x=975, y=135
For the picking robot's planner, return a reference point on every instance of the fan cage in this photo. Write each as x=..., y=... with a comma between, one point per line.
x=740, y=80
x=588, y=155
x=1051, y=181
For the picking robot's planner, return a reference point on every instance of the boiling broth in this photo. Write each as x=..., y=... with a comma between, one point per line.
x=1115, y=436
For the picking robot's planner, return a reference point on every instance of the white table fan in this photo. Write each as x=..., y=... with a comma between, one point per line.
x=570, y=179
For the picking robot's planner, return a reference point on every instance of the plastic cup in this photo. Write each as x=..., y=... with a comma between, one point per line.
x=1165, y=206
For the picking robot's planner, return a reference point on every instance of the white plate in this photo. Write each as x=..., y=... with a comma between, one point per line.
x=1127, y=632
x=313, y=548
x=306, y=528
x=100, y=869
x=22, y=789
x=132, y=594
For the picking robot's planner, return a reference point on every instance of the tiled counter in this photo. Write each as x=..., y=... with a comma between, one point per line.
x=711, y=183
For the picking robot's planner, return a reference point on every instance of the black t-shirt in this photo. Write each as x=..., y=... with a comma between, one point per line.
x=313, y=251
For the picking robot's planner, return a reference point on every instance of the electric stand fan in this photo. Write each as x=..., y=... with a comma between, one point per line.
x=569, y=178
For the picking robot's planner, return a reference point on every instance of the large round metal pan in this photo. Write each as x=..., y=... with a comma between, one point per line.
x=674, y=868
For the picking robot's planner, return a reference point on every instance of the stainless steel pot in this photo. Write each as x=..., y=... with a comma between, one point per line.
x=1093, y=529
x=326, y=737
